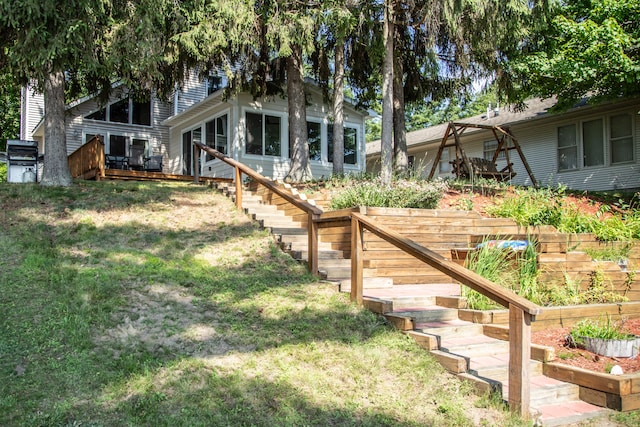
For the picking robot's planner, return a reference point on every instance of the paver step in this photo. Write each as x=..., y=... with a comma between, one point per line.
x=567, y=413
x=428, y=314
x=477, y=346
x=454, y=328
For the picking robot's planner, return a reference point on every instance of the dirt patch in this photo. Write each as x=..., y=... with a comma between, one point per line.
x=581, y=358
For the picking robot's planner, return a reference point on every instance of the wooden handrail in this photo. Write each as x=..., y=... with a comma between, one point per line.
x=504, y=297
x=313, y=212
x=521, y=311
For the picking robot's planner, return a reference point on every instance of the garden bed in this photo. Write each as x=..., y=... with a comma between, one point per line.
x=578, y=366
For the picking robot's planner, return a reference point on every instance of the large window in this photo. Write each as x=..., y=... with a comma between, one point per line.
x=217, y=135
x=314, y=140
x=263, y=136
x=567, y=148
x=592, y=143
x=117, y=145
x=125, y=111
x=621, y=138
x=350, y=144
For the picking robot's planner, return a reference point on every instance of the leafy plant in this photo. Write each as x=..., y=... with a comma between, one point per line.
x=3, y=172
x=402, y=193
x=603, y=329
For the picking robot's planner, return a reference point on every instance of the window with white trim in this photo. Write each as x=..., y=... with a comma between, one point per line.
x=263, y=134
x=567, y=148
x=593, y=143
x=443, y=164
x=217, y=135
x=621, y=138
x=350, y=145
x=127, y=110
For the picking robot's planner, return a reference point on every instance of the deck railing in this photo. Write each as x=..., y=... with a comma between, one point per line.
x=88, y=160
x=521, y=311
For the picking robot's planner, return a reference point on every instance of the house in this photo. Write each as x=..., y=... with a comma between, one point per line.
x=589, y=147
x=252, y=131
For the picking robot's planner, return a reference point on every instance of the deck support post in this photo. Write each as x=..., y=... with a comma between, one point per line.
x=357, y=256
x=312, y=247
x=519, y=360
x=238, y=180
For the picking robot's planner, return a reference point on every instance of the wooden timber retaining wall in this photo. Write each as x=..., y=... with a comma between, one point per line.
x=452, y=233
x=619, y=392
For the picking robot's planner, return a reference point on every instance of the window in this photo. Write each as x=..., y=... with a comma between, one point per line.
x=186, y=153
x=119, y=111
x=117, y=145
x=141, y=113
x=621, y=140
x=263, y=135
x=214, y=84
x=567, y=148
x=313, y=140
x=125, y=111
x=98, y=115
x=217, y=136
x=592, y=143
x=489, y=150
x=350, y=144
x=443, y=164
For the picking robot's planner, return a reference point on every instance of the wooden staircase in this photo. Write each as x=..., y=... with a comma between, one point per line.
x=473, y=352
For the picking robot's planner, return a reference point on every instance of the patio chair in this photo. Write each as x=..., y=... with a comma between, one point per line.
x=153, y=163
x=136, y=159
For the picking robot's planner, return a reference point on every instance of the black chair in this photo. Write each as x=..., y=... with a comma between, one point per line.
x=136, y=158
x=117, y=162
x=153, y=163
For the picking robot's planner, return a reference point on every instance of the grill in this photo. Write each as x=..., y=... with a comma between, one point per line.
x=22, y=161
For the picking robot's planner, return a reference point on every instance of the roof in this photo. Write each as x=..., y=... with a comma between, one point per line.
x=535, y=109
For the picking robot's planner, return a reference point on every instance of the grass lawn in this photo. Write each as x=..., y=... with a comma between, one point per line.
x=158, y=304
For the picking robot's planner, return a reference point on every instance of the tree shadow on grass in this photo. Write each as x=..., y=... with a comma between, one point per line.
x=91, y=313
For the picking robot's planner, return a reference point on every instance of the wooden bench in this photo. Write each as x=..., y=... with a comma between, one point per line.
x=483, y=168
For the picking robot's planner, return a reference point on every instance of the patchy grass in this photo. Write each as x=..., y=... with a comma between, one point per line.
x=159, y=304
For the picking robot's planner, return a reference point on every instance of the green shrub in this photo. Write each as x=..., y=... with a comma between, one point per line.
x=545, y=206
x=399, y=194
x=3, y=172
x=603, y=329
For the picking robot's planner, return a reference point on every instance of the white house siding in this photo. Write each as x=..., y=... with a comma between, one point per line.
x=78, y=126
x=32, y=111
x=275, y=167
x=193, y=90
x=538, y=140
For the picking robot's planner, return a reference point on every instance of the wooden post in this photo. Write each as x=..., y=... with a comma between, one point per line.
x=312, y=249
x=356, y=260
x=196, y=164
x=238, y=180
x=519, y=360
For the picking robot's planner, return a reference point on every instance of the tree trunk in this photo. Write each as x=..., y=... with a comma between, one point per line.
x=56, y=166
x=386, y=146
x=338, y=109
x=298, y=135
x=401, y=161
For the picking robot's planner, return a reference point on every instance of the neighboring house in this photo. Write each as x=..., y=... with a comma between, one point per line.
x=585, y=148
x=254, y=132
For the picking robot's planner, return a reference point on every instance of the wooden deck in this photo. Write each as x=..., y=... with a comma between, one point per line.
x=132, y=175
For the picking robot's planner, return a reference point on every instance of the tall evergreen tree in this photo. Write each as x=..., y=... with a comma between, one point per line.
x=42, y=39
